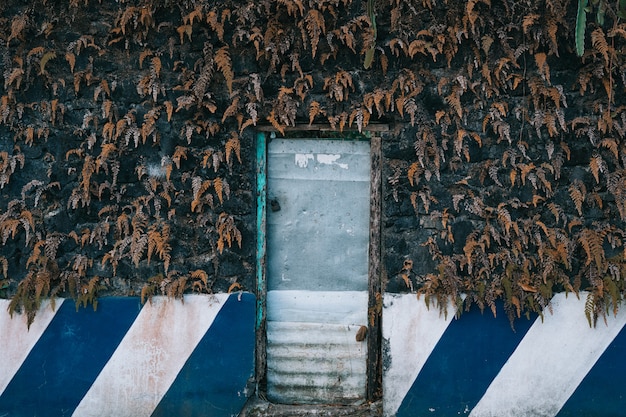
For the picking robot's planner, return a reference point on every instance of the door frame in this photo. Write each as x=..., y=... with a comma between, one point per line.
x=375, y=297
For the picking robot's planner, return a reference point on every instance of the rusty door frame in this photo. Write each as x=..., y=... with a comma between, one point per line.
x=374, y=338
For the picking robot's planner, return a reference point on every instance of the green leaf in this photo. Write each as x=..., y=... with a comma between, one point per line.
x=369, y=58
x=600, y=14
x=581, y=24
x=369, y=55
x=621, y=9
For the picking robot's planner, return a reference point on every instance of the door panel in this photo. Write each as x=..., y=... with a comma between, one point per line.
x=317, y=269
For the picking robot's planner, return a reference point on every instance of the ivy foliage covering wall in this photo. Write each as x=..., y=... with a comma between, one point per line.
x=126, y=137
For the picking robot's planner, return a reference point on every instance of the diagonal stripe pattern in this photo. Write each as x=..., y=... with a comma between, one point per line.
x=130, y=360
x=412, y=331
x=481, y=367
x=15, y=342
x=196, y=359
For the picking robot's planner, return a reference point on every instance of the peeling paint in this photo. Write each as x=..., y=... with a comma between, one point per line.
x=562, y=349
x=302, y=159
x=553, y=365
x=330, y=159
x=413, y=330
x=162, y=359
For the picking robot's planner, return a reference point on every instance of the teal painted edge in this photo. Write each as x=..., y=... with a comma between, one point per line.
x=261, y=207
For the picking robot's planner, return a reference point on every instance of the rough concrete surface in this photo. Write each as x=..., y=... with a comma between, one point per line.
x=257, y=407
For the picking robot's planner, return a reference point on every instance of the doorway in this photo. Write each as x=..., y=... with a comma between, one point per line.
x=318, y=232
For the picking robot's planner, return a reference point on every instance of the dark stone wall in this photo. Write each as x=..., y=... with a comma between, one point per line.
x=107, y=163
x=127, y=137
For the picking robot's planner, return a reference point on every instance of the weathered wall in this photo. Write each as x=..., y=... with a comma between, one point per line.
x=169, y=358
x=553, y=365
x=127, y=137
x=508, y=183
x=162, y=358
x=110, y=183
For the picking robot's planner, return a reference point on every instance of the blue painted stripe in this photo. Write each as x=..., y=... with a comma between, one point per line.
x=411, y=331
x=466, y=359
x=17, y=339
x=67, y=358
x=550, y=362
x=213, y=380
x=602, y=393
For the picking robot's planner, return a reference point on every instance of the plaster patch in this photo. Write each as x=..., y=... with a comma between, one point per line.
x=302, y=159
x=330, y=159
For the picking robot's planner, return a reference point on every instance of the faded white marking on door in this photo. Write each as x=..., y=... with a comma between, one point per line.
x=302, y=159
x=331, y=159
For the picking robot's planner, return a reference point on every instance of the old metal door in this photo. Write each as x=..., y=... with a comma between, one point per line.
x=317, y=269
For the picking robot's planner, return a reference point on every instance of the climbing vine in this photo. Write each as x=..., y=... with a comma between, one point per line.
x=127, y=134
x=536, y=206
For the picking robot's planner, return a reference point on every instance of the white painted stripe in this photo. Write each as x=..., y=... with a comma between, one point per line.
x=337, y=307
x=550, y=362
x=16, y=342
x=412, y=331
x=150, y=356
